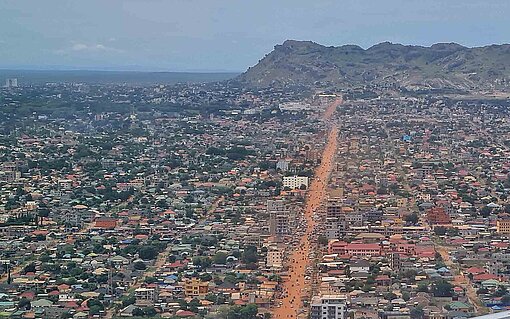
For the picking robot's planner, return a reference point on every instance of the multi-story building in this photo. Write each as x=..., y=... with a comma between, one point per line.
x=274, y=258
x=146, y=296
x=423, y=172
x=279, y=218
x=328, y=307
x=503, y=224
x=11, y=83
x=336, y=223
x=373, y=215
x=278, y=224
x=395, y=262
x=282, y=165
x=195, y=288
x=276, y=205
x=295, y=181
x=354, y=250
x=438, y=216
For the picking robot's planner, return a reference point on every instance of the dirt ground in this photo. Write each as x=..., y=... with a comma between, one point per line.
x=290, y=305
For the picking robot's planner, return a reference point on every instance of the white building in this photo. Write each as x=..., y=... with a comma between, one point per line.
x=295, y=181
x=11, y=83
x=328, y=307
x=282, y=165
x=295, y=106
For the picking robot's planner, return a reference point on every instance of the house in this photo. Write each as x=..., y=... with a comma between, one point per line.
x=105, y=223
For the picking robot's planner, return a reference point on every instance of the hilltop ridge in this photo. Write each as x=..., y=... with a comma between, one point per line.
x=442, y=65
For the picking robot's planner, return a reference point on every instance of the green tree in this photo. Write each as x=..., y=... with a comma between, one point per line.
x=249, y=255
x=149, y=311
x=29, y=268
x=442, y=288
x=322, y=240
x=205, y=277
x=243, y=312
x=148, y=253
x=422, y=287
x=138, y=312
x=24, y=304
x=412, y=218
x=139, y=265
x=440, y=231
x=220, y=258
x=417, y=313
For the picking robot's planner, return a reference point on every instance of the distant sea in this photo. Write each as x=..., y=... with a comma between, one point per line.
x=39, y=77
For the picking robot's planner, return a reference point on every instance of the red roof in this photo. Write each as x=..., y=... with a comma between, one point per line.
x=71, y=304
x=177, y=264
x=40, y=232
x=63, y=287
x=475, y=270
x=106, y=223
x=382, y=278
x=483, y=277
x=28, y=294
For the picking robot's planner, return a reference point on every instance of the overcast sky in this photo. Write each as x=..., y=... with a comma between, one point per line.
x=212, y=35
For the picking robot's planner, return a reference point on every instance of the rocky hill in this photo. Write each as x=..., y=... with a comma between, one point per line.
x=443, y=65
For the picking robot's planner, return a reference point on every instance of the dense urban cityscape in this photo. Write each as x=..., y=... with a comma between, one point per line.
x=218, y=201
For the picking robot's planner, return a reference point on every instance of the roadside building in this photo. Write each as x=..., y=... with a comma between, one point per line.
x=328, y=307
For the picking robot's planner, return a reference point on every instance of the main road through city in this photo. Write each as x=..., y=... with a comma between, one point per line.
x=294, y=287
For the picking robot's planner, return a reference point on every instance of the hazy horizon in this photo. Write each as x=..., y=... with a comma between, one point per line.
x=225, y=35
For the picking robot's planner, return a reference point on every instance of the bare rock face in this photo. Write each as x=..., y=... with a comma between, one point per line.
x=441, y=66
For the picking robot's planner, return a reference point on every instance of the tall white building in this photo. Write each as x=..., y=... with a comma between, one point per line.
x=328, y=307
x=295, y=181
x=11, y=83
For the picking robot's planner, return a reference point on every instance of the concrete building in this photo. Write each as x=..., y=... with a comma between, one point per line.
x=328, y=307
x=295, y=181
x=438, y=216
x=11, y=83
x=279, y=217
x=279, y=223
x=354, y=250
x=276, y=205
x=146, y=296
x=336, y=223
x=274, y=259
x=503, y=224
x=282, y=165
x=195, y=288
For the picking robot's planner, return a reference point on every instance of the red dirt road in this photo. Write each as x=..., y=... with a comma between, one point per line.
x=332, y=108
x=295, y=286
